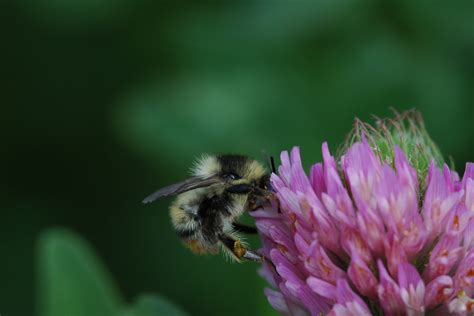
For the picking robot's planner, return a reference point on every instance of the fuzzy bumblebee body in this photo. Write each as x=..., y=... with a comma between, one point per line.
x=208, y=205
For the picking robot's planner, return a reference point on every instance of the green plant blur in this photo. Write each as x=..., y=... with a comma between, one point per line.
x=104, y=101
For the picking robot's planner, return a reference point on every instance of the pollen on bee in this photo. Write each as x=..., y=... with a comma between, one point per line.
x=195, y=246
x=239, y=250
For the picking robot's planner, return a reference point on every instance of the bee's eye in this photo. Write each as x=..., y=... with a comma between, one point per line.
x=231, y=176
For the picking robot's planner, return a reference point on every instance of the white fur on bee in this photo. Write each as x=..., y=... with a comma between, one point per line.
x=184, y=210
x=238, y=206
x=181, y=219
x=255, y=170
x=206, y=165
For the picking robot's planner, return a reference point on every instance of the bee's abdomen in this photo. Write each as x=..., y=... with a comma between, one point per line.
x=211, y=212
x=186, y=224
x=186, y=233
x=196, y=246
x=211, y=206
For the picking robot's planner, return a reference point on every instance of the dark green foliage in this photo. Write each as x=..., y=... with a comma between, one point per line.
x=73, y=282
x=151, y=305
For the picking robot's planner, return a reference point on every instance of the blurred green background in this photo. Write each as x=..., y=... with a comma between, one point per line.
x=103, y=101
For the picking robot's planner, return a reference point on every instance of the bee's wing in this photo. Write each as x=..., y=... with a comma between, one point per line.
x=186, y=185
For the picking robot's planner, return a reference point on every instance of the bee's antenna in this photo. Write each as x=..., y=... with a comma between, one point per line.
x=272, y=162
x=269, y=160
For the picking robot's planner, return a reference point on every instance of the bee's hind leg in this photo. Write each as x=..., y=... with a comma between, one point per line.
x=244, y=228
x=236, y=247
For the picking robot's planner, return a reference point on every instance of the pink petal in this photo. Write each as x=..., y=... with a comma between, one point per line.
x=412, y=234
x=443, y=257
x=266, y=212
x=299, y=182
x=348, y=303
x=339, y=211
x=266, y=272
x=395, y=254
x=405, y=171
x=362, y=277
x=321, y=266
x=412, y=289
x=277, y=301
x=462, y=305
x=438, y=291
x=337, y=199
x=322, y=288
x=295, y=285
x=469, y=197
x=389, y=293
x=458, y=221
x=360, y=157
x=468, y=235
x=283, y=238
x=468, y=173
x=437, y=206
x=277, y=182
x=464, y=276
x=328, y=232
x=353, y=241
x=285, y=268
x=374, y=231
x=317, y=179
x=284, y=170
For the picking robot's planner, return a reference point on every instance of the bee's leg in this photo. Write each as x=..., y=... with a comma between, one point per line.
x=260, y=198
x=239, y=250
x=244, y=228
x=257, y=202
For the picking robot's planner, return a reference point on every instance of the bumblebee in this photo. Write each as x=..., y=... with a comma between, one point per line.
x=209, y=203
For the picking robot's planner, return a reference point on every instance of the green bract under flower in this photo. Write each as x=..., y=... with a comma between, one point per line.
x=406, y=130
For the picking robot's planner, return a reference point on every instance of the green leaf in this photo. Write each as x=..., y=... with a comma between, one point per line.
x=72, y=280
x=152, y=305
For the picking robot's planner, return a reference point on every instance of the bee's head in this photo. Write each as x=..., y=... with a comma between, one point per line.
x=238, y=169
x=233, y=169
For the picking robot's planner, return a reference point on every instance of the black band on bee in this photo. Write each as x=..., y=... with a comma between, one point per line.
x=212, y=205
x=241, y=188
x=265, y=183
x=232, y=164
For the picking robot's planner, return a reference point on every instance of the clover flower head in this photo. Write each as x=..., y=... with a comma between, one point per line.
x=384, y=228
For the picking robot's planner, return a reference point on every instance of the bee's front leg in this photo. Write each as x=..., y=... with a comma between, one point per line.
x=260, y=198
x=236, y=247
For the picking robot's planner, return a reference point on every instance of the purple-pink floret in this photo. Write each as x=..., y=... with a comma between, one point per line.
x=362, y=241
